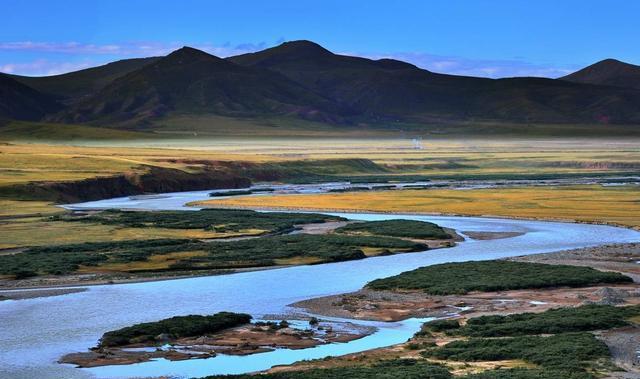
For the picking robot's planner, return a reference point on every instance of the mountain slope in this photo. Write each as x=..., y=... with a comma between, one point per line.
x=20, y=102
x=609, y=72
x=392, y=90
x=190, y=81
x=75, y=85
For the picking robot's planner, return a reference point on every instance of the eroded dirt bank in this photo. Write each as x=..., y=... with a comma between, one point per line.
x=155, y=180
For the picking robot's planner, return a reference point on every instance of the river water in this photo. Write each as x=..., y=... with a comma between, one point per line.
x=35, y=333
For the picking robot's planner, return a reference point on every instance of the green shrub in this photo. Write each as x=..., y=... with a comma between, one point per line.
x=461, y=278
x=561, y=320
x=523, y=373
x=397, y=228
x=392, y=369
x=442, y=325
x=257, y=252
x=219, y=220
x=174, y=327
x=568, y=351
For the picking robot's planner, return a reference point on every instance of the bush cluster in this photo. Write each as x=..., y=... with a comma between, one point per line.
x=497, y=275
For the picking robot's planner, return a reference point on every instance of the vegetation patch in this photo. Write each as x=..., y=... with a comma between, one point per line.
x=173, y=328
x=230, y=193
x=257, y=252
x=553, y=321
x=524, y=373
x=572, y=352
x=488, y=276
x=399, y=368
x=217, y=220
x=397, y=228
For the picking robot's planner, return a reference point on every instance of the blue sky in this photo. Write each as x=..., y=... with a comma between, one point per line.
x=494, y=38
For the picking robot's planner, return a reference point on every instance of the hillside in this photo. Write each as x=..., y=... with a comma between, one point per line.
x=75, y=85
x=609, y=72
x=190, y=81
x=391, y=90
x=303, y=84
x=20, y=102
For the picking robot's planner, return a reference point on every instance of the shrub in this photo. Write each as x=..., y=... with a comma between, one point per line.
x=397, y=228
x=461, y=278
x=174, y=327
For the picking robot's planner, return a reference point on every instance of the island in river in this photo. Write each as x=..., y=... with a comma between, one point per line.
x=195, y=336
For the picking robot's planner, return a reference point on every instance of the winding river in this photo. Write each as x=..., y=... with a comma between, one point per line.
x=34, y=333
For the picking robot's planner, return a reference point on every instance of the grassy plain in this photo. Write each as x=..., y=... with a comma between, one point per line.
x=112, y=153
x=587, y=203
x=72, y=160
x=41, y=231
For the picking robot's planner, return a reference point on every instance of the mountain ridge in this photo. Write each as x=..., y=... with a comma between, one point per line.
x=192, y=81
x=302, y=79
x=18, y=101
x=609, y=72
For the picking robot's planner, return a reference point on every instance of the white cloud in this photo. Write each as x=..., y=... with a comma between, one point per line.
x=43, y=67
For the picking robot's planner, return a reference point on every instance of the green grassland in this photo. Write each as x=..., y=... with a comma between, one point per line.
x=487, y=276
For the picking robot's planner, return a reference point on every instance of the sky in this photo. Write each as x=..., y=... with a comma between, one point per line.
x=490, y=38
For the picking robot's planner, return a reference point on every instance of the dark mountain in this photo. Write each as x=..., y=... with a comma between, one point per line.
x=303, y=79
x=392, y=90
x=609, y=72
x=78, y=84
x=20, y=102
x=190, y=81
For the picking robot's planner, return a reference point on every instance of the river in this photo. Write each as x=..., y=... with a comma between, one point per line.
x=34, y=333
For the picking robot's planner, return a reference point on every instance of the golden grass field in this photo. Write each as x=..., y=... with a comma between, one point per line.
x=22, y=162
x=39, y=231
x=618, y=205
x=25, y=162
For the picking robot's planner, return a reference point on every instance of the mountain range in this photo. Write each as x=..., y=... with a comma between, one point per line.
x=303, y=80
